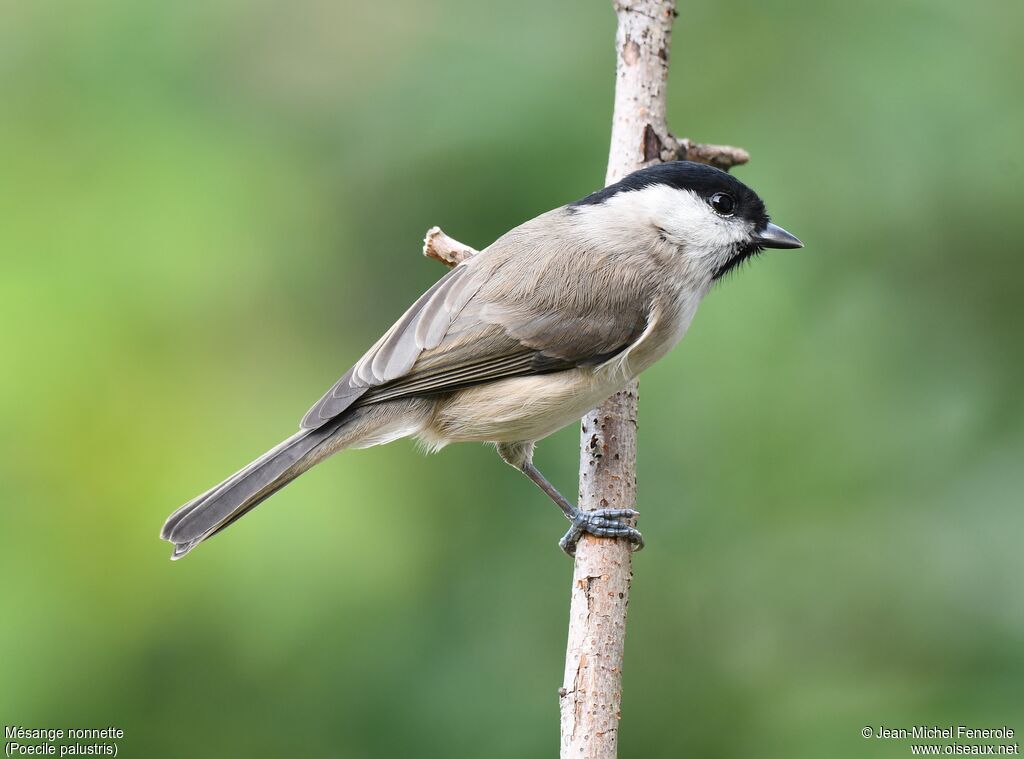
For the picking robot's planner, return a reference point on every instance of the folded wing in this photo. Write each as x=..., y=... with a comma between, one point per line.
x=516, y=309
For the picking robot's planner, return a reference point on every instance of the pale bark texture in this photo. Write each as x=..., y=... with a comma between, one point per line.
x=591, y=693
x=447, y=250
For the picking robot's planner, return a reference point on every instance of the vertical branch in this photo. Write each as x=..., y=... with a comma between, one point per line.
x=591, y=693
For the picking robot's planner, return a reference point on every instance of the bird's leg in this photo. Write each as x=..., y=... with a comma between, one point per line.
x=603, y=523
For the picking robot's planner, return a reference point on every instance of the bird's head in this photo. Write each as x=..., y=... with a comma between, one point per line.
x=709, y=216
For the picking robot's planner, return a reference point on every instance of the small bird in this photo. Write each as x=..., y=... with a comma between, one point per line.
x=525, y=337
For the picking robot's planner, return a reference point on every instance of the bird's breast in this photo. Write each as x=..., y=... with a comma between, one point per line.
x=531, y=408
x=520, y=408
x=670, y=318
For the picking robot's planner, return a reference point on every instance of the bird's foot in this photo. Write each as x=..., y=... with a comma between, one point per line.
x=602, y=523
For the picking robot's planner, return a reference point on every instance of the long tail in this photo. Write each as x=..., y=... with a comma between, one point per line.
x=222, y=505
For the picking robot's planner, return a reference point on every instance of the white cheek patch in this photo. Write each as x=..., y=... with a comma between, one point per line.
x=659, y=214
x=681, y=217
x=687, y=220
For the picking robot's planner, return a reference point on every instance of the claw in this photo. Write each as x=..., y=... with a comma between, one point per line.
x=602, y=523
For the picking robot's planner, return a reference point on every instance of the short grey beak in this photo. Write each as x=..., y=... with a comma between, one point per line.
x=774, y=236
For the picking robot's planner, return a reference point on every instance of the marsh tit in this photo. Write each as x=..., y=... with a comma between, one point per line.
x=525, y=337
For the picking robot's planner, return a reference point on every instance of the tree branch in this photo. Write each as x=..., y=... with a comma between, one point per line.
x=723, y=157
x=447, y=250
x=591, y=694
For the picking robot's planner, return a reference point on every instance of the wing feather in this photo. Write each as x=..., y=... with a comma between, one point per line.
x=390, y=357
x=541, y=315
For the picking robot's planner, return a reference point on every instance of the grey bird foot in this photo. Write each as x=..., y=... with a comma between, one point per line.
x=602, y=523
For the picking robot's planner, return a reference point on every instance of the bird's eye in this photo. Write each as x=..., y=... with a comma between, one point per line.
x=723, y=203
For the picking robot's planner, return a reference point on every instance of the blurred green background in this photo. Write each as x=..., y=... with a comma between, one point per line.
x=208, y=210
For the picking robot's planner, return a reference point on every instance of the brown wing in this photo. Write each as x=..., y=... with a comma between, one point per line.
x=529, y=304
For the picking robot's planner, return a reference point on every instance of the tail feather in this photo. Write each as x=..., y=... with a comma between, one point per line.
x=224, y=504
x=227, y=502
